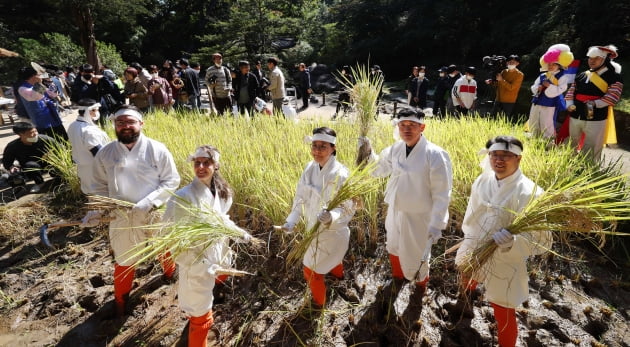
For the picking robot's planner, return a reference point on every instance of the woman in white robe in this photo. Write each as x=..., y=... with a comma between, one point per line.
x=197, y=267
x=321, y=178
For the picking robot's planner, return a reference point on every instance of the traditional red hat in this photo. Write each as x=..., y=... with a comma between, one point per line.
x=609, y=50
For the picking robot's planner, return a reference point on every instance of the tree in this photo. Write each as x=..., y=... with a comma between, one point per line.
x=253, y=28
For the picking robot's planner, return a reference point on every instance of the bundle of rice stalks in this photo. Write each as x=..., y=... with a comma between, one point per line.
x=364, y=92
x=201, y=229
x=589, y=205
x=59, y=157
x=104, y=203
x=359, y=183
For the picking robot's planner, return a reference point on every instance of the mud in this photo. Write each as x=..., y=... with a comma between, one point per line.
x=64, y=297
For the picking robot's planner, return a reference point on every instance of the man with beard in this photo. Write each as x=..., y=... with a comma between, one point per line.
x=139, y=170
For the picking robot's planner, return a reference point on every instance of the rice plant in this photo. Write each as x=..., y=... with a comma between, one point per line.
x=359, y=183
x=590, y=205
x=364, y=93
x=201, y=228
x=59, y=158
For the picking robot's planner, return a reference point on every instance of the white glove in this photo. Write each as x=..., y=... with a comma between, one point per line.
x=144, y=206
x=247, y=237
x=434, y=234
x=324, y=216
x=141, y=210
x=503, y=238
x=364, y=140
x=288, y=227
x=91, y=219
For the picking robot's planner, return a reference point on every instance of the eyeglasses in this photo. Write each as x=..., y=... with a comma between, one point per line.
x=319, y=148
x=122, y=123
x=503, y=157
x=199, y=163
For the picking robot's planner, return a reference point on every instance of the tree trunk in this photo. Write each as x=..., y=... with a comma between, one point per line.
x=85, y=23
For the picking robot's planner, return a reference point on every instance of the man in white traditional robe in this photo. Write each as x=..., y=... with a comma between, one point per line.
x=418, y=194
x=499, y=192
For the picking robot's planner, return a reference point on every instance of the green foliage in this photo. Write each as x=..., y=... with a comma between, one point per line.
x=52, y=48
x=110, y=57
x=59, y=50
x=250, y=28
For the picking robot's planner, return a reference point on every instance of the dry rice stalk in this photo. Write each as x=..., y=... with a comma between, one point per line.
x=196, y=233
x=589, y=205
x=99, y=202
x=364, y=92
x=359, y=183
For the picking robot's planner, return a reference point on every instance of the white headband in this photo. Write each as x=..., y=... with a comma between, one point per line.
x=412, y=119
x=127, y=112
x=500, y=146
x=203, y=153
x=321, y=137
x=91, y=107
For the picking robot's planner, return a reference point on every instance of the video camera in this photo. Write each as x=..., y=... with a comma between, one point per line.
x=495, y=64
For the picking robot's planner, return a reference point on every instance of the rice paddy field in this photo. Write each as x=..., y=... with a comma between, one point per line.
x=62, y=297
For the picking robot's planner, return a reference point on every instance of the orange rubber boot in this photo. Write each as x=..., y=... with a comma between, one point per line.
x=123, y=281
x=198, y=328
x=396, y=269
x=337, y=271
x=506, y=325
x=423, y=283
x=168, y=265
x=220, y=279
x=318, y=286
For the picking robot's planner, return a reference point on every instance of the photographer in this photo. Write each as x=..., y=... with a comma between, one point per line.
x=28, y=150
x=91, y=86
x=508, y=83
x=38, y=103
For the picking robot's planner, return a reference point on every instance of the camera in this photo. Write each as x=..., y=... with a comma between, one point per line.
x=495, y=64
x=212, y=79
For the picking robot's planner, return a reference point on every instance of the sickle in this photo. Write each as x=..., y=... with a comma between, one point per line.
x=43, y=230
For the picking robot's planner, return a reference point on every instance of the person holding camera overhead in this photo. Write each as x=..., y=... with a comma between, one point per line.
x=38, y=103
x=508, y=83
x=135, y=90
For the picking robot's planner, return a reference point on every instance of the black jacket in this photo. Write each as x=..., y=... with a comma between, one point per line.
x=16, y=150
x=252, y=86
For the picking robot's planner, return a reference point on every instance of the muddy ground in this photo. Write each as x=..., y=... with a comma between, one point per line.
x=63, y=296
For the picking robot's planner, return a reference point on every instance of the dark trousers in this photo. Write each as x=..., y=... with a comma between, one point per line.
x=507, y=108
x=246, y=107
x=305, y=95
x=33, y=171
x=54, y=132
x=222, y=105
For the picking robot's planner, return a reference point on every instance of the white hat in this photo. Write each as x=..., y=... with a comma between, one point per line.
x=602, y=51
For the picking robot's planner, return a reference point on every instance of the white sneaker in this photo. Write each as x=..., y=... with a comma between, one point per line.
x=36, y=188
